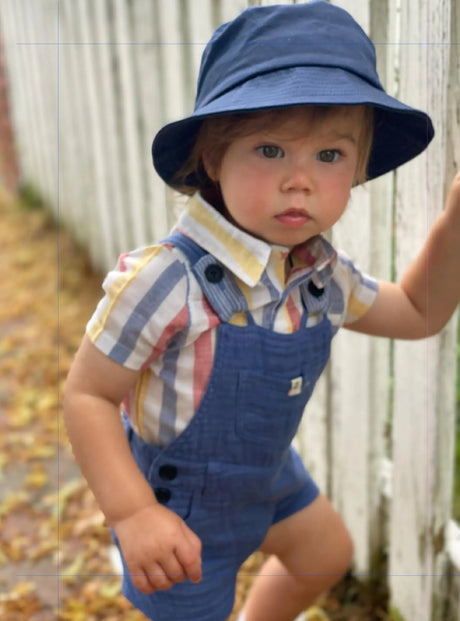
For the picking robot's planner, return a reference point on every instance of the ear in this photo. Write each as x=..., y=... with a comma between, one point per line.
x=210, y=166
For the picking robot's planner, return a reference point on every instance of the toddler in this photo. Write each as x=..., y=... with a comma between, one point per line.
x=212, y=340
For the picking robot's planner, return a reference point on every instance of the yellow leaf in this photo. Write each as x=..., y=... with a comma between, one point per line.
x=46, y=401
x=21, y=416
x=92, y=521
x=3, y=462
x=37, y=478
x=74, y=569
x=110, y=590
x=16, y=548
x=24, y=588
x=316, y=614
x=42, y=452
x=64, y=495
x=42, y=550
x=12, y=500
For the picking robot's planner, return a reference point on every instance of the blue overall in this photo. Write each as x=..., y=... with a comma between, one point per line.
x=232, y=472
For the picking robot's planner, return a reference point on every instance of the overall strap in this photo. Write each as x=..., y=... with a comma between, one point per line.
x=217, y=283
x=191, y=249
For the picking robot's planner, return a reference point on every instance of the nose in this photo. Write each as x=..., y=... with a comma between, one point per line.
x=297, y=178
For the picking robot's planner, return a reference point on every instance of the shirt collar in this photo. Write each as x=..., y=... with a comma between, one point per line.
x=246, y=256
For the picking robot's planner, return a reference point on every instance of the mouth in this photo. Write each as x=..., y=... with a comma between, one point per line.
x=293, y=217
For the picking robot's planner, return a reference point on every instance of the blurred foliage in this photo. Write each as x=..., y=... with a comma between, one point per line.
x=30, y=197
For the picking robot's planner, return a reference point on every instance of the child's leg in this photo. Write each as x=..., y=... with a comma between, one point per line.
x=311, y=550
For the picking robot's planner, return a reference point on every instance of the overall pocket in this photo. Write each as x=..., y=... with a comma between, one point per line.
x=269, y=407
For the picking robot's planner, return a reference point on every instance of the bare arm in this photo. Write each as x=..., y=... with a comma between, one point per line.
x=429, y=291
x=94, y=389
x=156, y=556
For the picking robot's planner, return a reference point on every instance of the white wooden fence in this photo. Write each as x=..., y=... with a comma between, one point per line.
x=91, y=82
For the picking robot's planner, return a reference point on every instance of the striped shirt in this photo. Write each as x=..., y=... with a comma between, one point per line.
x=154, y=317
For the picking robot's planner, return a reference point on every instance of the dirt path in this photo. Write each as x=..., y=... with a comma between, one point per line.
x=53, y=546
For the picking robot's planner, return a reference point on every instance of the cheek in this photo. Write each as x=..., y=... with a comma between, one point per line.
x=340, y=184
x=239, y=181
x=335, y=199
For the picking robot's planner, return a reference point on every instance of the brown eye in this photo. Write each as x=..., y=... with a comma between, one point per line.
x=329, y=156
x=270, y=151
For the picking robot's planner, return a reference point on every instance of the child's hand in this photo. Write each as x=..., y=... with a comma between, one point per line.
x=159, y=548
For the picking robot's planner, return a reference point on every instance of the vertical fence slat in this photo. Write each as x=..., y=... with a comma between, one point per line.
x=95, y=128
x=30, y=127
x=103, y=58
x=39, y=29
x=129, y=129
x=45, y=25
x=76, y=189
x=229, y=9
x=420, y=462
x=200, y=26
x=69, y=130
x=82, y=190
x=382, y=31
x=25, y=54
x=174, y=83
x=149, y=85
x=312, y=439
x=171, y=55
x=452, y=166
x=357, y=407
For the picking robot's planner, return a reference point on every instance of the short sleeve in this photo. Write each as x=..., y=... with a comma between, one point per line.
x=354, y=291
x=145, y=295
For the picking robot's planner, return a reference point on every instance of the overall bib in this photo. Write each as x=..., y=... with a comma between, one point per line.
x=232, y=473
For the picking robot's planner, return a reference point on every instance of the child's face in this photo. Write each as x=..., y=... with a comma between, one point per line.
x=292, y=181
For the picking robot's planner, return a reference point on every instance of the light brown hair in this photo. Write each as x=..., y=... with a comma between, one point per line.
x=218, y=132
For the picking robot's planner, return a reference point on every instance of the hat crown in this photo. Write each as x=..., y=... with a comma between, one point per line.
x=312, y=53
x=265, y=39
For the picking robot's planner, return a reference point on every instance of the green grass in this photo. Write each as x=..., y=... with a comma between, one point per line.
x=31, y=198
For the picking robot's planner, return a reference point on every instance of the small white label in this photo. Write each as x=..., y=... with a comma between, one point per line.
x=296, y=387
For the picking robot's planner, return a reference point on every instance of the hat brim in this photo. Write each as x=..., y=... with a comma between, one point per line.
x=400, y=133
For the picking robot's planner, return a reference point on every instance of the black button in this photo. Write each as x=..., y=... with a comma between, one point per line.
x=167, y=472
x=163, y=495
x=214, y=273
x=314, y=290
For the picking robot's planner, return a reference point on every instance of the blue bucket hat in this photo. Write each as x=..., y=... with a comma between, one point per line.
x=290, y=55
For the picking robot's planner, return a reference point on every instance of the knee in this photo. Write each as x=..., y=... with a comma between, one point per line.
x=330, y=567
x=344, y=553
x=332, y=560
x=337, y=556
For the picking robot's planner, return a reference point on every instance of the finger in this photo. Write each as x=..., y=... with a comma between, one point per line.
x=158, y=578
x=142, y=582
x=173, y=569
x=189, y=556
